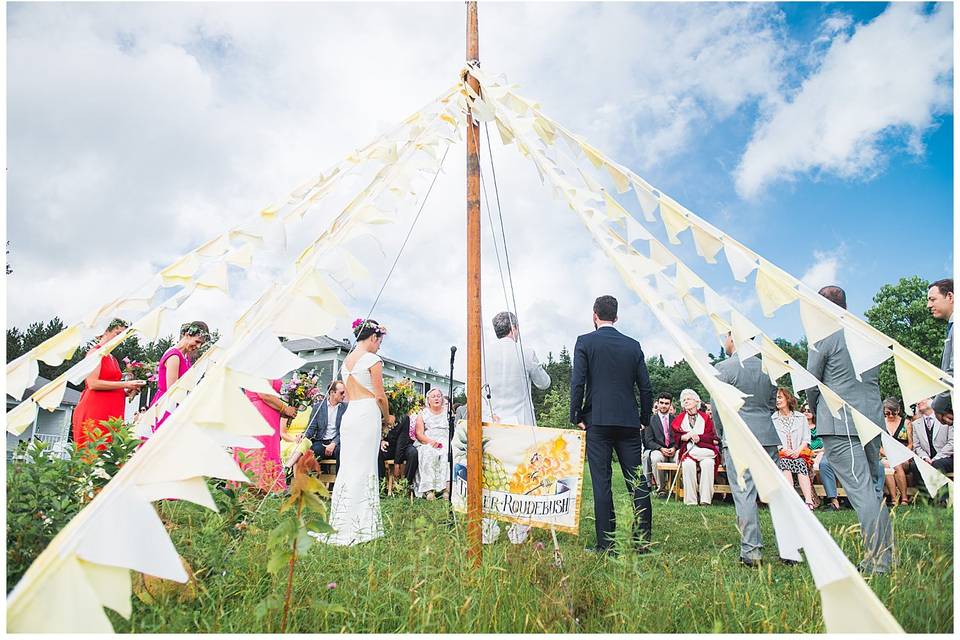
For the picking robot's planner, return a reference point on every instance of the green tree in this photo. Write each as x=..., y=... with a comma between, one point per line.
x=796, y=350
x=900, y=311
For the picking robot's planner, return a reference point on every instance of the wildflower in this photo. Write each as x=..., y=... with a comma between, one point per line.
x=331, y=585
x=538, y=546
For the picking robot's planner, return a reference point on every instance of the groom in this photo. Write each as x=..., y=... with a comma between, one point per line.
x=607, y=365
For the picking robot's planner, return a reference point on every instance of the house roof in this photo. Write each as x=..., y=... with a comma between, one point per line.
x=70, y=397
x=320, y=342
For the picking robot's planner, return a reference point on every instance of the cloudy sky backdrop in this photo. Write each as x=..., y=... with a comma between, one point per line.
x=819, y=135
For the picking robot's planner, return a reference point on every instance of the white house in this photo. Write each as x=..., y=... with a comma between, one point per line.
x=52, y=427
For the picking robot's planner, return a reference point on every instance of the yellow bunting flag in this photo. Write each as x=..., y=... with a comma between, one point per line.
x=707, y=245
x=673, y=219
x=60, y=347
x=21, y=416
x=111, y=584
x=774, y=288
x=51, y=395
x=215, y=248
x=21, y=373
x=181, y=271
x=620, y=179
x=918, y=379
x=215, y=277
x=687, y=279
x=818, y=323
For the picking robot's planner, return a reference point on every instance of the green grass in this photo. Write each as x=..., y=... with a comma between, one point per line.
x=418, y=579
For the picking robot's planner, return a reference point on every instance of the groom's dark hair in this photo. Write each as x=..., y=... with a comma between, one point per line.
x=606, y=308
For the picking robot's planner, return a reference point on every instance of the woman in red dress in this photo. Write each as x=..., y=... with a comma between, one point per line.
x=104, y=395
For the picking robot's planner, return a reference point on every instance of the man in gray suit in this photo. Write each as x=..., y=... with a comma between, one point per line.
x=324, y=428
x=940, y=303
x=858, y=467
x=757, y=412
x=932, y=439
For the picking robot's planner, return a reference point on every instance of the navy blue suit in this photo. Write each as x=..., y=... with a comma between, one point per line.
x=607, y=369
x=318, y=427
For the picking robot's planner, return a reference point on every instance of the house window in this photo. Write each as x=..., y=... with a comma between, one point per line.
x=419, y=387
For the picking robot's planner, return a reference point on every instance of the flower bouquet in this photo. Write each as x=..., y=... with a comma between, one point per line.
x=139, y=370
x=301, y=391
x=403, y=398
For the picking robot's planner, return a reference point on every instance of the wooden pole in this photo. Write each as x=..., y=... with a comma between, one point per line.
x=474, y=425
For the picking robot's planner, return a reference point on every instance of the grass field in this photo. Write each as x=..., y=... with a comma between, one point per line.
x=417, y=578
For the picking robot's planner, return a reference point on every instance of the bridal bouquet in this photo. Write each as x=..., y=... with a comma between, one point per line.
x=403, y=398
x=301, y=391
x=139, y=370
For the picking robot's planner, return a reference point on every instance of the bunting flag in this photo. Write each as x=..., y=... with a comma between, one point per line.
x=707, y=245
x=673, y=219
x=740, y=261
x=21, y=373
x=774, y=288
x=918, y=379
x=817, y=323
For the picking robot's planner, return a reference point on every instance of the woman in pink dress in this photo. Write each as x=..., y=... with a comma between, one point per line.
x=265, y=463
x=176, y=361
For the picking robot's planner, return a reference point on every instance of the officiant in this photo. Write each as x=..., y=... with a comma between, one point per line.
x=509, y=370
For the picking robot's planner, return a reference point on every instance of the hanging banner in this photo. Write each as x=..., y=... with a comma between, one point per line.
x=531, y=475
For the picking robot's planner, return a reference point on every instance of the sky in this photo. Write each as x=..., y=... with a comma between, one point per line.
x=818, y=134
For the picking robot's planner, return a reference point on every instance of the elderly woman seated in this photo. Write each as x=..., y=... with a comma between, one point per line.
x=693, y=431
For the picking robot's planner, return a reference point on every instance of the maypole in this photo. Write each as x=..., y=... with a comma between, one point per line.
x=474, y=426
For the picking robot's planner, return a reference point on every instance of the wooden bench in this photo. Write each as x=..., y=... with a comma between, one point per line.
x=673, y=470
x=328, y=472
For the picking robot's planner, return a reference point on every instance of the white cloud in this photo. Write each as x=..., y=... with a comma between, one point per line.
x=826, y=268
x=880, y=85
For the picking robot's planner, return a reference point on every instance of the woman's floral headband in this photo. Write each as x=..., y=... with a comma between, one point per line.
x=378, y=329
x=194, y=329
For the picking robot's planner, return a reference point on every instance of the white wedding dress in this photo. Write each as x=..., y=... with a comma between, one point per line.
x=355, y=504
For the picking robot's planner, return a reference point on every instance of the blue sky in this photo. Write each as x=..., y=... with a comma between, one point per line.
x=819, y=135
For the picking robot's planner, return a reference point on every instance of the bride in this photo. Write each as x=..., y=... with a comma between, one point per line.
x=355, y=504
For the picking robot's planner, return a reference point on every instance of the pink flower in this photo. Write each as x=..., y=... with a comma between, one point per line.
x=538, y=545
x=331, y=585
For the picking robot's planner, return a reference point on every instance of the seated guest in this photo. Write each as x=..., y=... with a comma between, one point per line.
x=901, y=430
x=433, y=436
x=827, y=478
x=693, y=432
x=406, y=452
x=659, y=443
x=293, y=444
x=794, y=435
x=324, y=428
x=933, y=440
x=389, y=444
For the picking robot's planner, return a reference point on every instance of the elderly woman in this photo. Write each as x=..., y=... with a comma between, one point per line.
x=693, y=431
x=902, y=431
x=433, y=438
x=795, y=455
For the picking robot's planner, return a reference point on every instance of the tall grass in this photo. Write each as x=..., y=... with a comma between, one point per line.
x=418, y=578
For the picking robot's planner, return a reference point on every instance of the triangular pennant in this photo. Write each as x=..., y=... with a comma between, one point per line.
x=933, y=480
x=673, y=220
x=190, y=455
x=303, y=317
x=706, y=244
x=774, y=361
x=741, y=263
x=660, y=254
x=619, y=178
x=864, y=352
x=714, y=302
x=240, y=256
x=111, y=584
x=834, y=402
x=248, y=237
x=894, y=450
x=695, y=308
x=742, y=328
x=21, y=416
x=817, y=322
x=851, y=607
x=263, y=355
x=592, y=155
x=802, y=379
x=774, y=288
x=916, y=382
x=181, y=271
x=640, y=266
x=866, y=429
x=51, y=395
x=721, y=326
x=506, y=134
x=126, y=532
x=149, y=325
x=648, y=201
x=191, y=489
x=60, y=347
x=103, y=315
x=544, y=130
x=215, y=248
x=224, y=406
x=687, y=279
x=215, y=277
x=21, y=374
x=79, y=608
x=635, y=231
x=614, y=210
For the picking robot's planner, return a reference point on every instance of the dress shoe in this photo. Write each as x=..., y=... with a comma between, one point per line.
x=601, y=551
x=750, y=562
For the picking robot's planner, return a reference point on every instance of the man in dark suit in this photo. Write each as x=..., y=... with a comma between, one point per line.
x=658, y=443
x=324, y=428
x=607, y=366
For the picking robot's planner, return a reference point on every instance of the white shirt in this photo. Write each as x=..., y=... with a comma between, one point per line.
x=331, y=431
x=509, y=383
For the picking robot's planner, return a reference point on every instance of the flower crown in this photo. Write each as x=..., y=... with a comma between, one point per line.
x=359, y=324
x=117, y=323
x=194, y=329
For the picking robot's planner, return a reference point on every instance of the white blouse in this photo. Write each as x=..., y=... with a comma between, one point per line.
x=792, y=429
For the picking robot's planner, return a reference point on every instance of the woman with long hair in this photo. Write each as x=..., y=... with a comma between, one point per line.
x=104, y=395
x=355, y=504
x=902, y=431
